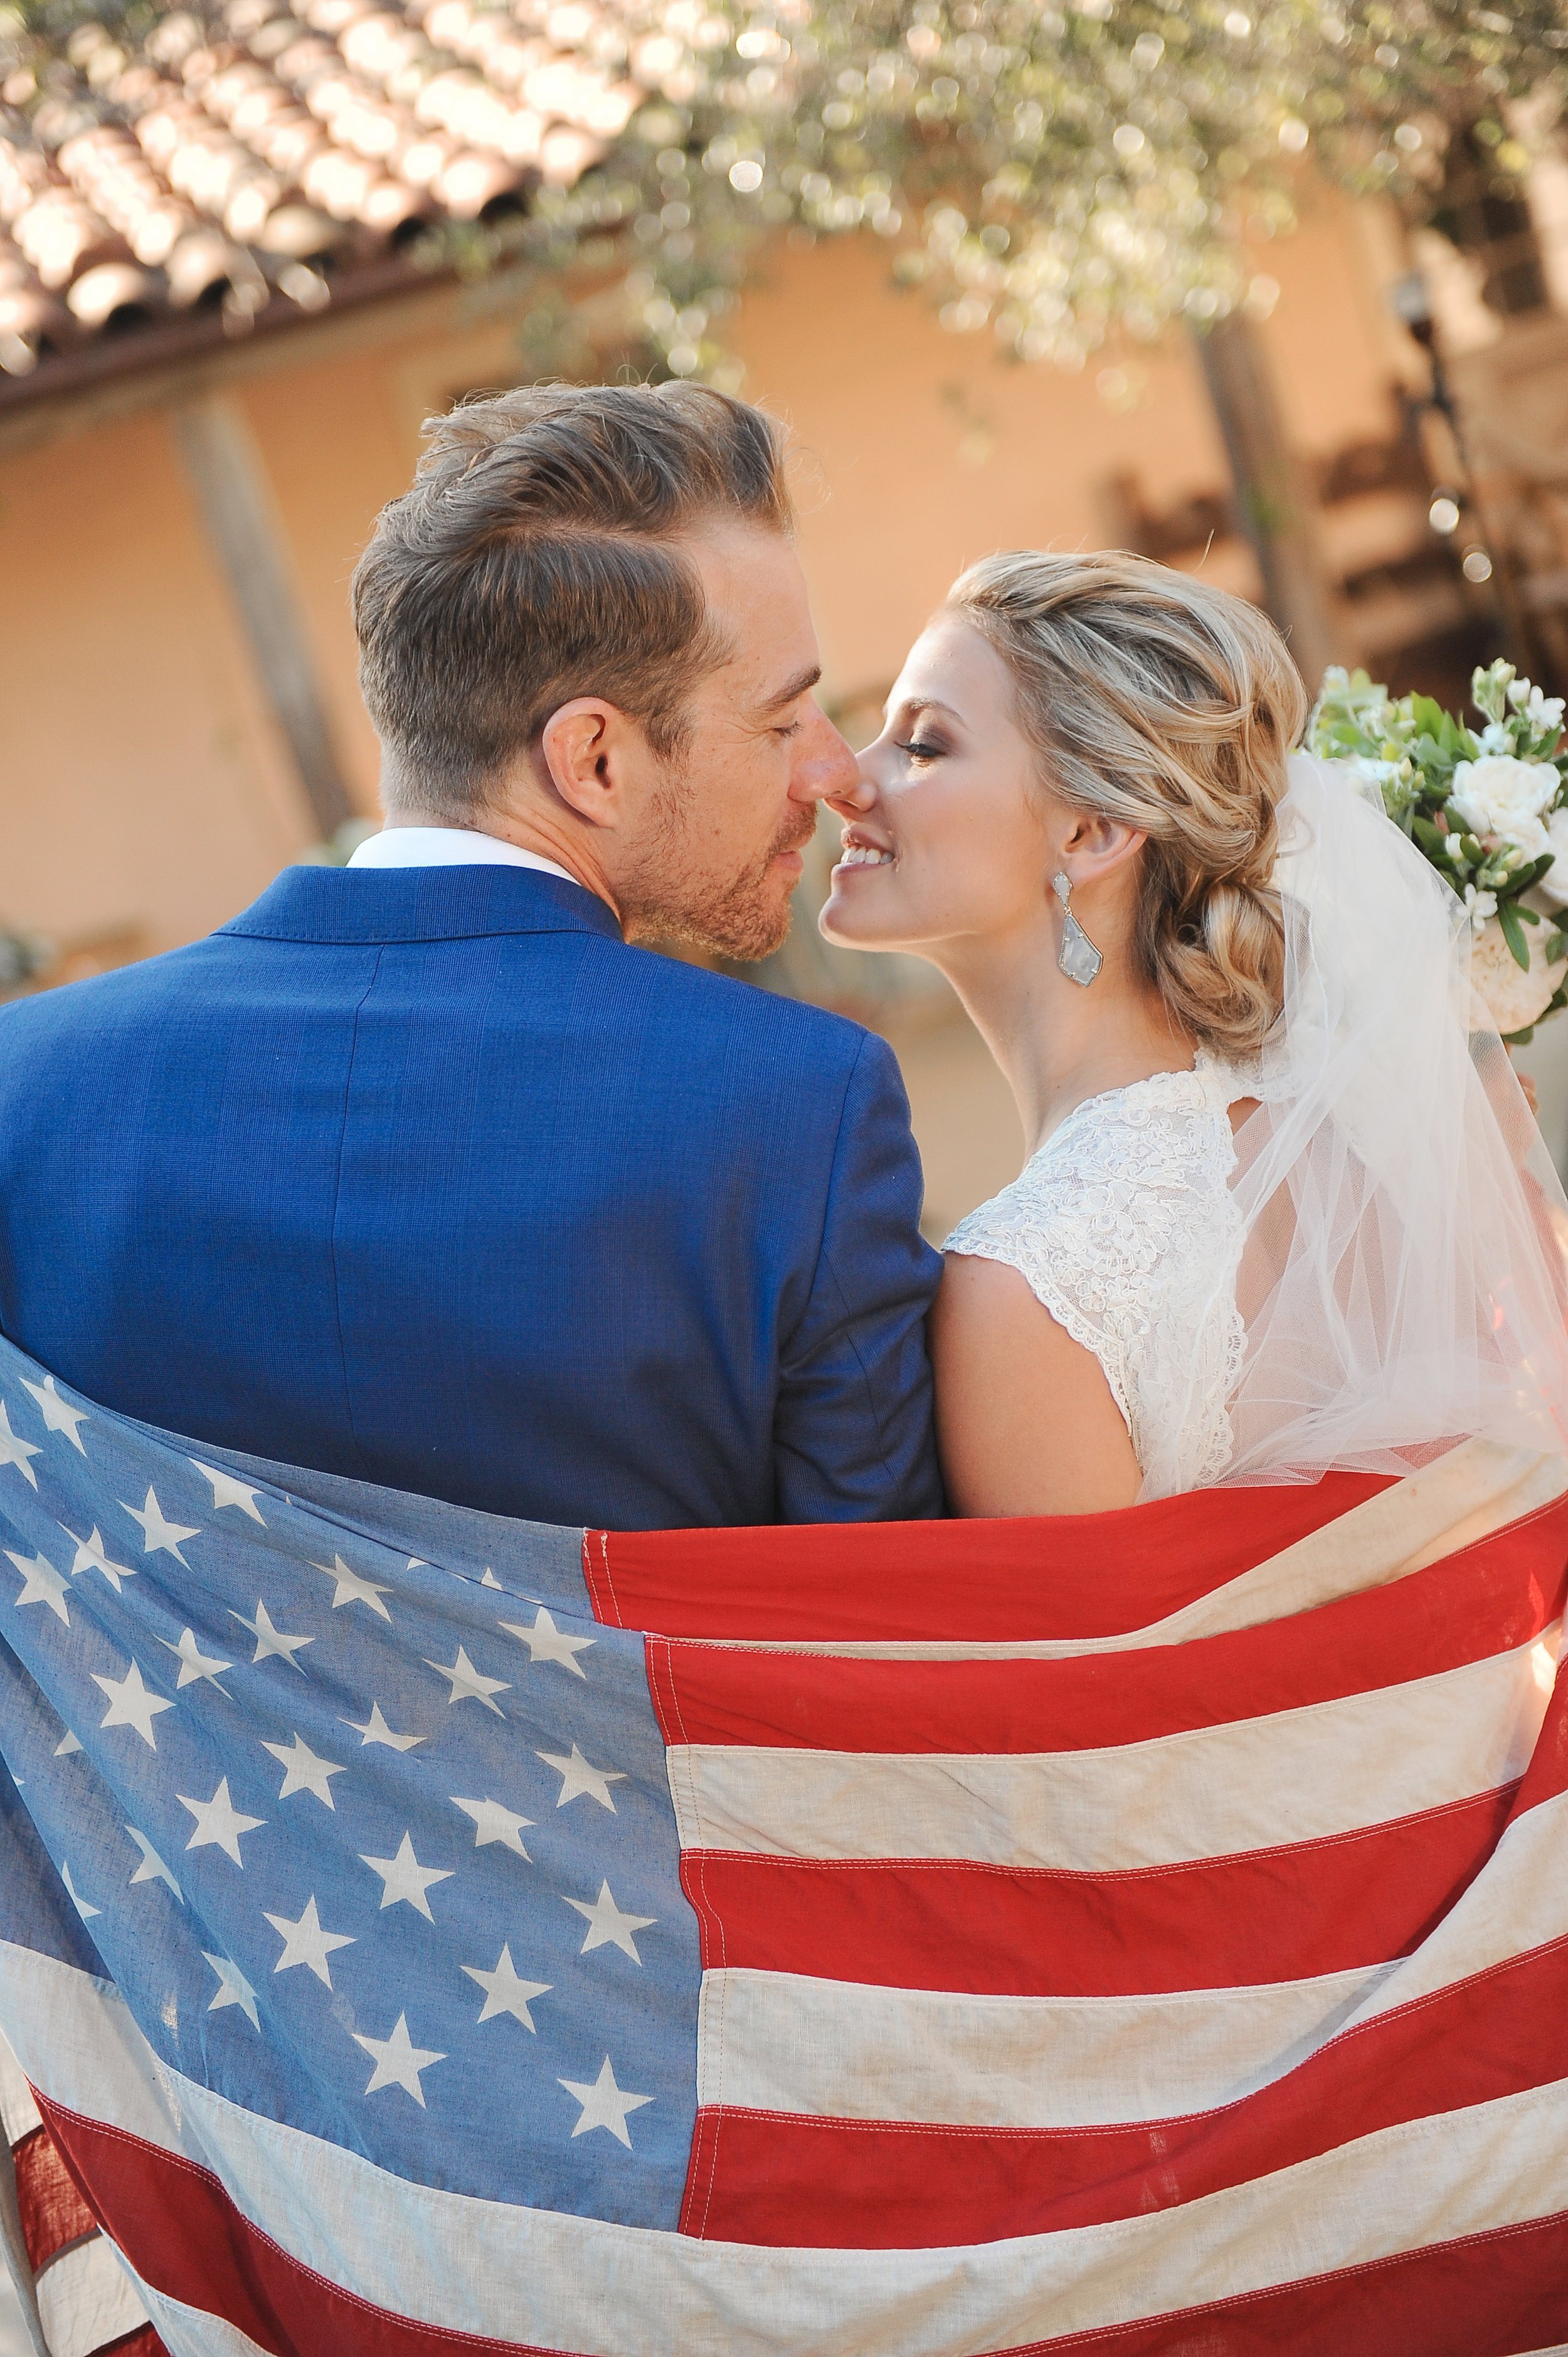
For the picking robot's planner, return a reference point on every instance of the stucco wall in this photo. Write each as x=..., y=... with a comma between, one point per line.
x=142, y=781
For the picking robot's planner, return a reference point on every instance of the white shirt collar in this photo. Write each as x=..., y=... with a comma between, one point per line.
x=448, y=846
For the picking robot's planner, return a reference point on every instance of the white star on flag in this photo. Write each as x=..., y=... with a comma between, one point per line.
x=305, y=1942
x=160, y=1535
x=227, y=1491
x=41, y=1583
x=576, y=1776
x=487, y=1578
x=234, y=1988
x=375, y=1729
x=605, y=2106
x=545, y=1642
x=219, y=1822
x=353, y=1589
x=57, y=1414
x=152, y=1868
x=17, y=1452
x=398, y=2061
x=304, y=1772
x=468, y=1684
x=607, y=1926
x=504, y=1992
x=193, y=1662
x=271, y=1641
x=77, y=1900
x=90, y=1556
x=404, y=1877
x=494, y=1824
x=132, y=1704
x=67, y=1744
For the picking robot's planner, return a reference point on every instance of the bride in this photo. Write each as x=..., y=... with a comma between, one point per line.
x=1284, y=1208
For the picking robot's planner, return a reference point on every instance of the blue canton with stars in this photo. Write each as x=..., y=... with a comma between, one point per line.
x=358, y=1807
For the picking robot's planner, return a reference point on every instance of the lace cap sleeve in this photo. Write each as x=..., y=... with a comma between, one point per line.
x=1123, y=1226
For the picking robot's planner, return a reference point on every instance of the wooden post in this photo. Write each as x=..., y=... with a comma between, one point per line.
x=229, y=479
x=1274, y=505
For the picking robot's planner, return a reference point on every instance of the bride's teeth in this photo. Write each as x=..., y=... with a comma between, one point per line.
x=863, y=854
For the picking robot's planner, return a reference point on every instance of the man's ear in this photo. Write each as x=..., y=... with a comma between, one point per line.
x=583, y=748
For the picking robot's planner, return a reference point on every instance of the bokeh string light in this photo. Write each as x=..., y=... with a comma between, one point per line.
x=1048, y=175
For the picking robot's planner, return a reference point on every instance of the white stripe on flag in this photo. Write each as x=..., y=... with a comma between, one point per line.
x=778, y=2042
x=191, y=2332
x=86, y=2300
x=572, y=2283
x=1521, y=1902
x=1211, y=1791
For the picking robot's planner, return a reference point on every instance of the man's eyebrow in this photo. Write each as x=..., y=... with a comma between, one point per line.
x=801, y=684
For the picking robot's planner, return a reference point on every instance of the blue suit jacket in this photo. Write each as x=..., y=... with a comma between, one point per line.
x=424, y=1175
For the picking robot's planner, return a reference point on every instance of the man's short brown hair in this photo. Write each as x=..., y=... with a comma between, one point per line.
x=536, y=558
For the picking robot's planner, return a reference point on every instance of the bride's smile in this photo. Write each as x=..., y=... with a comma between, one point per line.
x=941, y=841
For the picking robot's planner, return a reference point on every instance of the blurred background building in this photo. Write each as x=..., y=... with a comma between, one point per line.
x=218, y=339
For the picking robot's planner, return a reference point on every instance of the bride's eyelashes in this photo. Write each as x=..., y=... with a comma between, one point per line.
x=921, y=751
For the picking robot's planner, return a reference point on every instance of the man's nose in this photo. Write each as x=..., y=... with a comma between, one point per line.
x=825, y=768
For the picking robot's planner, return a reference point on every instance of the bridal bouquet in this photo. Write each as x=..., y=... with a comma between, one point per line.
x=1489, y=810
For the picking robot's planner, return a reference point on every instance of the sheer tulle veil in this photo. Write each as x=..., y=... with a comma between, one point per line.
x=1403, y=1237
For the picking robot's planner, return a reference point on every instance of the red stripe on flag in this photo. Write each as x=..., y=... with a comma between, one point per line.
x=776, y=2178
x=185, y=2238
x=1486, y=2296
x=53, y=2214
x=1230, y=1922
x=1488, y=1599
x=972, y=1582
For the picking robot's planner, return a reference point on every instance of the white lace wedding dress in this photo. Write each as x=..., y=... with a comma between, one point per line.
x=1123, y=1224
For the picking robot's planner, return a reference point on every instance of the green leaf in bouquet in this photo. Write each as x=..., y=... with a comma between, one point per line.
x=1428, y=715
x=1556, y=947
x=1554, y=1006
x=1432, y=839
x=1513, y=933
x=1530, y=873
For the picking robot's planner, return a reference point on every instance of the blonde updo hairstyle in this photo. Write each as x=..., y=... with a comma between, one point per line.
x=1153, y=699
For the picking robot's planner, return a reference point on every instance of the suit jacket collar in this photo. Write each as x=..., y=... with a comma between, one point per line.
x=373, y=905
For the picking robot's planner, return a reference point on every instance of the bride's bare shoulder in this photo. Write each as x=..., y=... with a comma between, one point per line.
x=1026, y=1418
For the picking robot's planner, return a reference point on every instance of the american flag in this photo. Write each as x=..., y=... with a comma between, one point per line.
x=1144, y=1933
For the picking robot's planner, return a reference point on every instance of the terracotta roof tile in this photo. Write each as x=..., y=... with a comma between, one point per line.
x=243, y=162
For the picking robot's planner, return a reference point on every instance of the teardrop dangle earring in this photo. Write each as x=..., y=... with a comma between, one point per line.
x=1079, y=958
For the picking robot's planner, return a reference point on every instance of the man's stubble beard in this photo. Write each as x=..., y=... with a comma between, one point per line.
x=669, y=899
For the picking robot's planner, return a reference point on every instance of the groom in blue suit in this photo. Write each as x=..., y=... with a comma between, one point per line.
x=421, y=1171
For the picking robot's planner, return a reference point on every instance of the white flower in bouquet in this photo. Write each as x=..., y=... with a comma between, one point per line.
x=1553, y=886
x=1481, y=805
x=1541, y=714
x=1502, y=796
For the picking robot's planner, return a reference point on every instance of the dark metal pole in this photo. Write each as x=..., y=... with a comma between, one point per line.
x=227, y=476
x=1274, y=505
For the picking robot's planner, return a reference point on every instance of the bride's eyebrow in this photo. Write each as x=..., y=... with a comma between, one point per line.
x=913, y=706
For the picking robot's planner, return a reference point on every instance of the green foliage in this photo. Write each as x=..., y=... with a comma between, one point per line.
x=1480, y=807
x=1048, y=173
x=1053, y=172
